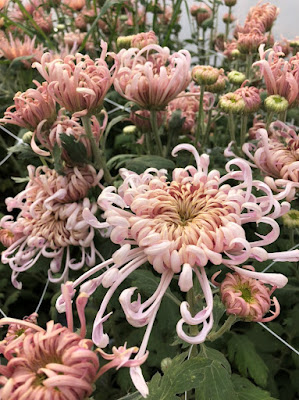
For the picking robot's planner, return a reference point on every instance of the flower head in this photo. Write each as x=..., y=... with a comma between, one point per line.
x=232, y=102
x=236, y=77
x=14, y=48
x=151, y=77
x=144, y=39
x=247, y=297
x=201, y=12
x=205, y=74
x=181, y=226
x=78, y=83
x=31, y=107
x=50, y=220
x=251, y=97
x=277, y=156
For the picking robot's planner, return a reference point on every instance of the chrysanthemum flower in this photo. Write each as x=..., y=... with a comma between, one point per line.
x=14, y=48
x=247, y=297
x=31, y=107
x=277, y=156
x=55, y=363
x=281, y=77
x=50, y=220
x=179, y=227
x=251, y=97
x=48, y=137
x=75, y=5
x=201, y=12
x=144, y=39
x=152, y=77
x=248, y=43
x=266, y=13
x=78, y=83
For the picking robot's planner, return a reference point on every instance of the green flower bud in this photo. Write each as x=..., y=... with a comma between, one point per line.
x=124, y=42
x=235, y=77
x=129, y=130
x=165, y=364
x=232, y=102
x=291, y=219
x=205, y=74
x=276, y=103
x=27, y=137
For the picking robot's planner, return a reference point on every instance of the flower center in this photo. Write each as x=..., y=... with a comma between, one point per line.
x=246, y=294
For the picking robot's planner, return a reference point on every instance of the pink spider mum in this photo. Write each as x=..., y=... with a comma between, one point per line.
x=50, y=221
x=266, y=13
x=31, y=107
x=247, y=297
x=48, y=137
x=180, y=227
x=77, y=82
x=151, y=77
x=251, y=97
x=55, y=363
x=14, y=48
x=277, y=156
x=281, y=76
x=144, y=39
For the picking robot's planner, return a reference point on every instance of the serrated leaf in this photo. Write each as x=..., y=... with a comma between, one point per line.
x=57, y=159
x=242, y=352
x=140, y=164
x=216, y=383
x=76, y=150
x=248, y=391
x=23, y=150
x=178, y=378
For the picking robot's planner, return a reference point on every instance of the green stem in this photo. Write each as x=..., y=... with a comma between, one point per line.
x=199, y=126
x=148, y=142
x=212, y=27
x=153, y=117
x=269, y=119
x=207, y=130
x=248, y=65
x=231, y=127
x=244, y=119
x=99, y=161
x=282, y=116
x=228, y=23
x=225, y=328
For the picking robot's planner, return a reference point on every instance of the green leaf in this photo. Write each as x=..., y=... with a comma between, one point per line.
x=133, y=396
x=76, y=150
x=216, y=383
x=248, y=391
x=140, y=164
x=57, y=159
x=119, y=160
x=242, y=352
x=23, y=150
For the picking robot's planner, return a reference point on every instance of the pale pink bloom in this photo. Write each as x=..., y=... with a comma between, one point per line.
x=151, y=77
x=248, y=43
x=31, y=107
x=43, y=20
x=75, y=5
x=77, y=82
x=231, y=49
x=14, y=48
x=277, y=156
x=228, y=18
x=201, y=12
x=247, y=297
x=50, y=221
x=281, y=77
x=48, y=137
x=179, y=226
x=257, y=124
x=189, y=105
x=251, y=97
x=144, y=39
x=55, y=363
x=266, y=13
x=248, y=27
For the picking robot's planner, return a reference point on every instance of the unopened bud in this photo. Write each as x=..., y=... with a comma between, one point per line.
x=165, y=364
x=235, y=77
x=230, y=3
x=276, y=103
x=124, y=42
x=205, y=74
x=27, y=137
x=129, y=130
x=232, y=102
x=291, y=219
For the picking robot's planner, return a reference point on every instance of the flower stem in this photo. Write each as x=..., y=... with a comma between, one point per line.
x=228, y=23
x=99, y=161
x=153, y=117
x=231, y=127
x=225, y=327
x=269, y=119
x=248, y=65
x=244, y=119
x=200, y=127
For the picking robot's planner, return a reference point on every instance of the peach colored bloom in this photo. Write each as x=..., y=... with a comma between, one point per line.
x=144, y=39
x=152, y=77
x=50, y=221
x=77, y=82
x=248, y=43
x=247, y=297
x=179, y=227
x=14, y=48
x=251, y=97
x=75, y=5
x=43, y=20
x=266, y=13
x=277, y=156
x=55, y=363
x=48, y=137
x=201, y=12
x=281, y=76
x=31, y=107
